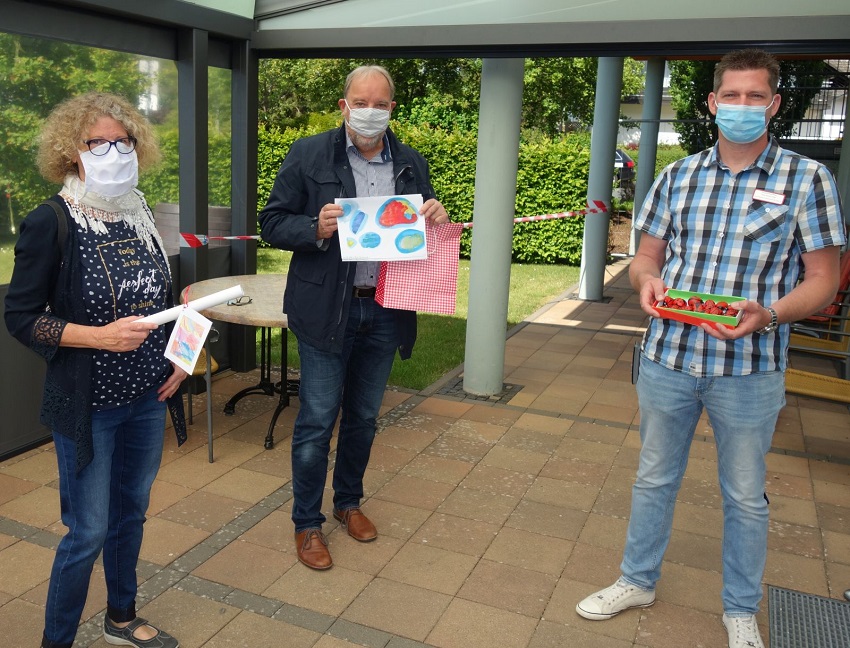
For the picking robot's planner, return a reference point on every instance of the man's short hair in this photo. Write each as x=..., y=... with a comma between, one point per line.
x=365, y=71
x=748, y=59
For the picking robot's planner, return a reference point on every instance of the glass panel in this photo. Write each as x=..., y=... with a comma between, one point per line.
x=219, y=134
x=219, y=214
x=36, y=75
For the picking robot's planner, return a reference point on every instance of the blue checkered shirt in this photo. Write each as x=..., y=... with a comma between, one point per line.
x=371, y=178
x=721, y=240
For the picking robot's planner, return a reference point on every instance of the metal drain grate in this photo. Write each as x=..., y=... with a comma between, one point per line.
x=455, y=388
x=799, y=620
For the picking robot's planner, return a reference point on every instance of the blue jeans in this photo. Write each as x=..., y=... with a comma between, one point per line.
x=354, y=380
x=743, y=412
x=104, y=507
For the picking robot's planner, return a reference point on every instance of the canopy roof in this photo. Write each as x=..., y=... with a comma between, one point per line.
x=539, y=27
x=468, y=28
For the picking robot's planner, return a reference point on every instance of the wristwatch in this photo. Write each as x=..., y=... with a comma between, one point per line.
x=772, y=325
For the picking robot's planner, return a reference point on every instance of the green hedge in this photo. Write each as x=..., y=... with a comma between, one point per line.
x=665, y=154
x=552, y=177
x=162, y=183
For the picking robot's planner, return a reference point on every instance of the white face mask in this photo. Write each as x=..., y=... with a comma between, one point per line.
x=368, y=122
x=110, y=175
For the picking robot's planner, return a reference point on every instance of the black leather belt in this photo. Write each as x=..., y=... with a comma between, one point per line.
x=364, y=293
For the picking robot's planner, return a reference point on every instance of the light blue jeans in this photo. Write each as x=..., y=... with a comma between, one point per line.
x=743, y=412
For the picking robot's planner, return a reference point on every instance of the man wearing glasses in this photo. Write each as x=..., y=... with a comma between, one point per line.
x=346, y=341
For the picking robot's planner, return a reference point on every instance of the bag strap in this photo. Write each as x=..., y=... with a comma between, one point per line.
x=62, y=234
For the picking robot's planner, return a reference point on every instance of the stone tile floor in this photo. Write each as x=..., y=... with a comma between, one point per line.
x=495, y=518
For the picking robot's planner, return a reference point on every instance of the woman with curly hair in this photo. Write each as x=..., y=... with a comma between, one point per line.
x=89, y=264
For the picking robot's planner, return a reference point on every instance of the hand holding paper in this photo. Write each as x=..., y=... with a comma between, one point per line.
x=190, y=333
x=382, y=228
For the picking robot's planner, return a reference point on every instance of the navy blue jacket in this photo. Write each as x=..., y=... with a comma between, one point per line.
x=44, y=295
x=319, y=284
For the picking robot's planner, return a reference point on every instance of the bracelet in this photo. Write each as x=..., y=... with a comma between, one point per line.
x=772, y=325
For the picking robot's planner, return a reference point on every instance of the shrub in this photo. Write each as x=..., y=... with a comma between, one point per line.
x=667, y=154
x=162, y=183
x=552, y=177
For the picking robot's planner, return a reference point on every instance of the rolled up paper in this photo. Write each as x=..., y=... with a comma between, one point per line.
x=202, y=303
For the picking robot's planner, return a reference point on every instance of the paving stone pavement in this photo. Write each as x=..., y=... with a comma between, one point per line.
x=495, y=515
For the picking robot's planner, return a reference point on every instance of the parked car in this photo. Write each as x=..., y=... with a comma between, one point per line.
x=624, y=167
x=624, y=175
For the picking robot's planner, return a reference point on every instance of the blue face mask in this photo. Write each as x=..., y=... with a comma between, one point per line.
x=741, y=124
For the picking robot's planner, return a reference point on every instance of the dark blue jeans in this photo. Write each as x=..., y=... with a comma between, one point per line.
x=104, y=507
x=354, y=380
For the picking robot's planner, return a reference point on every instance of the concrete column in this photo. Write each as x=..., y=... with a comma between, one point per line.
x=649, y=126
x=495, y=199
x=603, y=143
x=843, y=177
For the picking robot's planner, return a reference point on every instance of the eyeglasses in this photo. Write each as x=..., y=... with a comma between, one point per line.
x=100, y=146
x=240, y=301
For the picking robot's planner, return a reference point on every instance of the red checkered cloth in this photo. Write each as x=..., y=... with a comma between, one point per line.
x=429, y=285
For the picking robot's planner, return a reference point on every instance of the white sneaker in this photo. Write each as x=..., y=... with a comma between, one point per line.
x=614, y=599
x=743, y=631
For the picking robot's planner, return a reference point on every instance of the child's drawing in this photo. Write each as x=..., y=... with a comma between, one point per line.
x=382, y=228
x=187, y=339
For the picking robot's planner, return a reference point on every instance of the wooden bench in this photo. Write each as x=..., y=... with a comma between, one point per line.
x=806, y=383
x=828, y=331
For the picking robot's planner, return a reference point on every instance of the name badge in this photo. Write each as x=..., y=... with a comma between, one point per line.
x=768, y=197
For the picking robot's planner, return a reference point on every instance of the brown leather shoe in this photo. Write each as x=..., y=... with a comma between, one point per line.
x=312, y=549
x=359, y=526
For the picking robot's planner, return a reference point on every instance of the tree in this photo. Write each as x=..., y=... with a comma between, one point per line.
x=692, y=81
x=559, y=93
x=291, y=90
x=35, y=75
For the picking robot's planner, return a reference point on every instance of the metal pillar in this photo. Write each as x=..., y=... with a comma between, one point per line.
x=603, y=144
x=243, y=162
x=843, y=176
x=649, y=126
x=193, y=149
x=243, y=194
x=495, y=198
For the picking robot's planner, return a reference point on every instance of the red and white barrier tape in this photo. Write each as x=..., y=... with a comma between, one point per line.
x=200, y=240
x=599, y=207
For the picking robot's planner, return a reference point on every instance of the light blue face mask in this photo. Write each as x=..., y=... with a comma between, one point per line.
x=741, y=124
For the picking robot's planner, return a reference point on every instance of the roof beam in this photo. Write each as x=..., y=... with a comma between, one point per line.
x=827, y=36
x=166, y=12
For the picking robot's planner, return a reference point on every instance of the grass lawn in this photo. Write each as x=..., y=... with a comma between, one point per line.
x=441, y=338
x=7, y=258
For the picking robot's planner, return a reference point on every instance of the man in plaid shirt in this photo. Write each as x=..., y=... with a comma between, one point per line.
x=742, y=218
